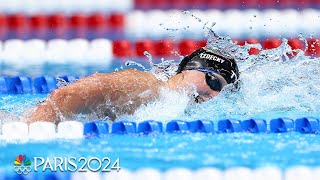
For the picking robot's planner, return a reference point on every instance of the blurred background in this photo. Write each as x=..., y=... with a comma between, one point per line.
x=84, y=36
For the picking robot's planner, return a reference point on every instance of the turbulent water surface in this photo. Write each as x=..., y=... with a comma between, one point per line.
x=273, y=84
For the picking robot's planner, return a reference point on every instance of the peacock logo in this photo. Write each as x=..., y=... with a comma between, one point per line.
x=22, y=165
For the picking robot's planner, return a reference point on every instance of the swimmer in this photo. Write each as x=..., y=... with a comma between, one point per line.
x=117, y=93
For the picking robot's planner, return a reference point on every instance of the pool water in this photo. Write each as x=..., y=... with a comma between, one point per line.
x=164, y=151
x=270, y=88
x=187, y=150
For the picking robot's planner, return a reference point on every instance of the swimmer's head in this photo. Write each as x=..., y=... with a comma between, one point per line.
x=197, y=82
x=217, y=64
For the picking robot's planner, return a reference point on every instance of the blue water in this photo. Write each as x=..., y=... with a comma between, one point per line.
x=164, y=151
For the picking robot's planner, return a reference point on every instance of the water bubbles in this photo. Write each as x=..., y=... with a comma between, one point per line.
x=133, y=63
x=61, y=82
x=120, y=68
x=276, y=81
x=170, y=105
x=149, y=56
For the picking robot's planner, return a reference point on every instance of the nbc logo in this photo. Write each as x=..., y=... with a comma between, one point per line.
x=22, y=165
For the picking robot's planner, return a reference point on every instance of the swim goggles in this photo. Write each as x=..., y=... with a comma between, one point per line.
x=214, y=80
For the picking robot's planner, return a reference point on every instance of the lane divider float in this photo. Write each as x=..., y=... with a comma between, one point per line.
x=98, y=128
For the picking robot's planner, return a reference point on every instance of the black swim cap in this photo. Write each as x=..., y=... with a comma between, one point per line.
x=214, y=60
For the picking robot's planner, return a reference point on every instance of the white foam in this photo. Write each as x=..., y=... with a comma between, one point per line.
x=15, y=130
x=42, y=130
x=170, y=105
x=70, y=130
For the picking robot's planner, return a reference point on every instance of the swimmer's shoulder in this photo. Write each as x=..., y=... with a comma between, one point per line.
x=121, y=72
x=134, y=73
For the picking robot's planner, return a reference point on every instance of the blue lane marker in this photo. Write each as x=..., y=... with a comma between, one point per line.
x=95, y=128
x=177, y=126
x=254, y=125
x=25, y=84
x=204, y=126
x=44, y=84
x=19, y=85
x=4, y=85
x=281, y=125
x=149, y=126
x=229, y=126
x=123, y=127
x=307, y=125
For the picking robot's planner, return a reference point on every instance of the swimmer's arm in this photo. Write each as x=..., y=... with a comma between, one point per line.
x=66, y=101
x=93, y=91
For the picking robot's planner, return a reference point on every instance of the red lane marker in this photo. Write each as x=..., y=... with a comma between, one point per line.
x=313, y=47
x=164, y=47
x=142, y=46
x=187, y=46
x=121, y=48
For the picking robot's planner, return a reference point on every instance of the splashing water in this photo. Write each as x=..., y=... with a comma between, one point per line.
x=61, y=82
x=170, y=105
x=163, y=70
x=273, y=83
